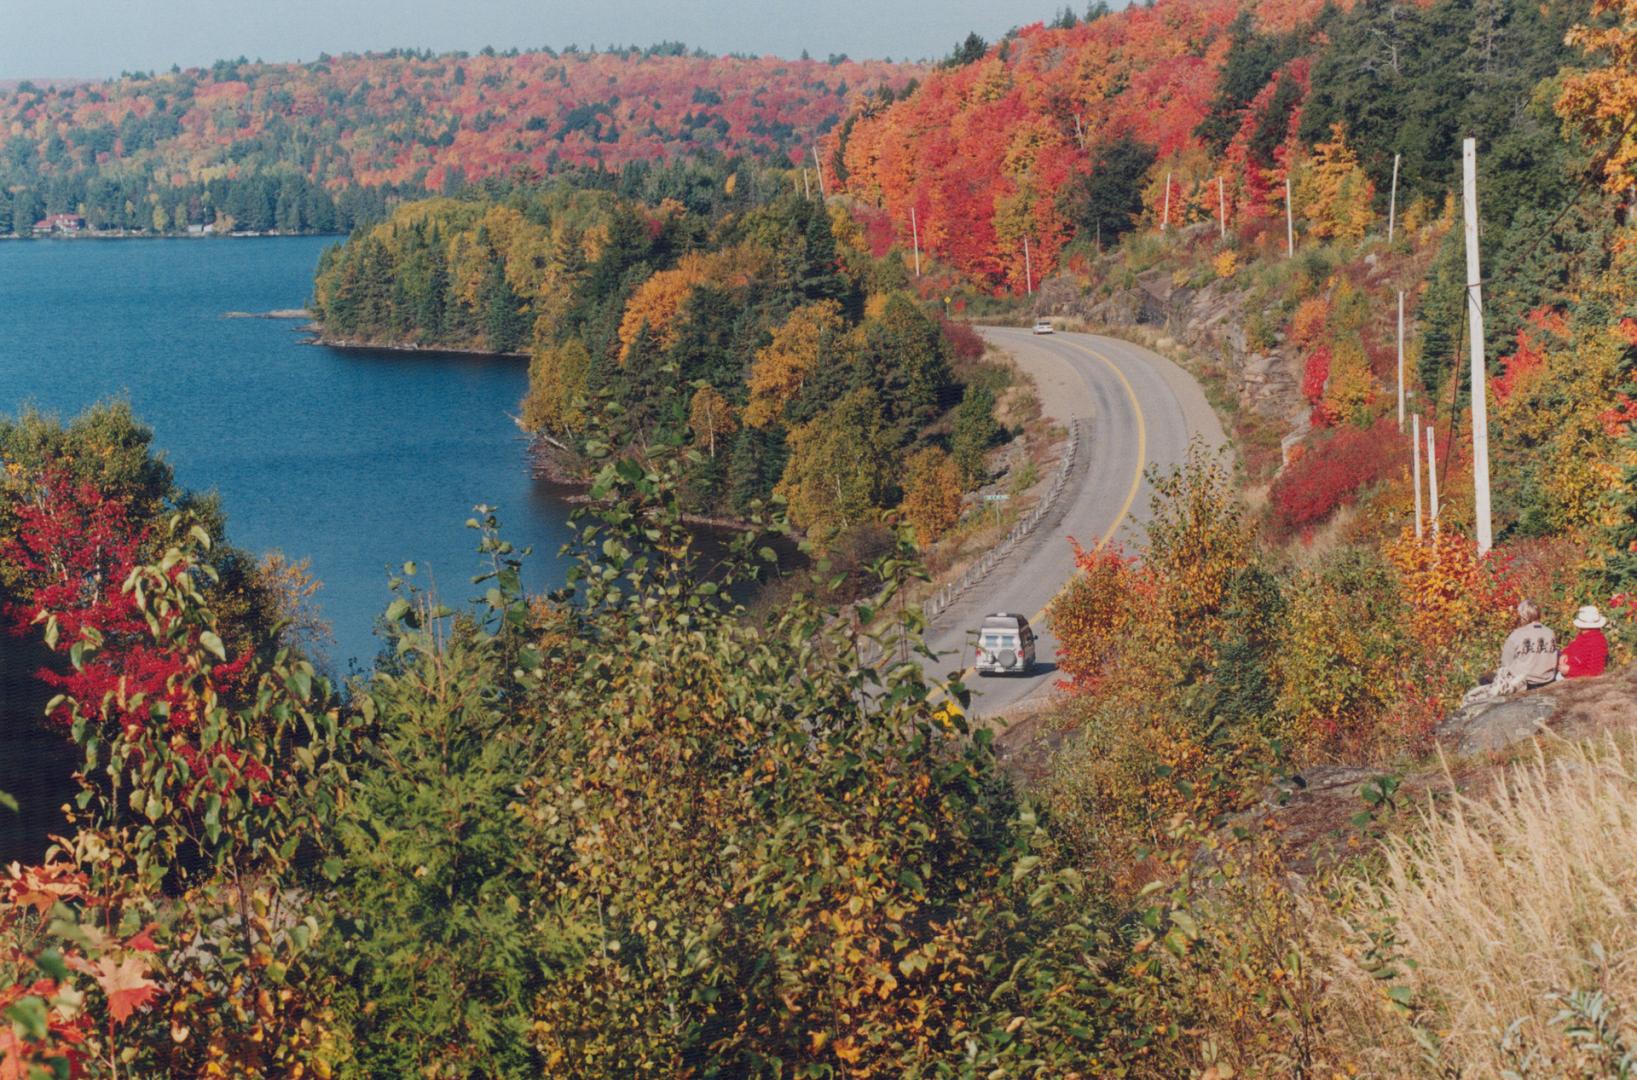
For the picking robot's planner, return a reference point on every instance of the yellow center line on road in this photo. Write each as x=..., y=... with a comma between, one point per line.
x=1136, y=479
x=1142, y=441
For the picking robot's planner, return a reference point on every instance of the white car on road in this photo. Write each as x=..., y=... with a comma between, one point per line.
x=1042, y=326
x=1005, y=645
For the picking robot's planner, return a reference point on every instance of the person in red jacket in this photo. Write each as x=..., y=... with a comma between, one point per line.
x=1588, y=653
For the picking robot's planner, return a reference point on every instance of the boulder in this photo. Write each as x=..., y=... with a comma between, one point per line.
x=1495, y=725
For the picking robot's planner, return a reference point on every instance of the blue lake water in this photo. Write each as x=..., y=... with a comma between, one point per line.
x=356, y=461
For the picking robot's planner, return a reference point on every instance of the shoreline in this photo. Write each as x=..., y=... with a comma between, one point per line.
x=119, y=234
x=317, y=338
x=278, y=313
x=544, y=462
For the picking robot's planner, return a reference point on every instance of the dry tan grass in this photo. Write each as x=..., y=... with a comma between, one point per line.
x=1019, y=405
x=1501, y=916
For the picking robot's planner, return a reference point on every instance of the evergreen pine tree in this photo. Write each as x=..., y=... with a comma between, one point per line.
x=975, y=431
x=505, y=327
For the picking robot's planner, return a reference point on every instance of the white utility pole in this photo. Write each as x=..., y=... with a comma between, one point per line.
x=1432, y=478
x=1028, y=268
x=806, y=185
x=915, y=231
x=1475, y=330
x=1221, y=209
x=819, y=168
x=1165, y=219
x=1400, y=359
x=1392, y=202
x=1415, y=460
x=1290, y=223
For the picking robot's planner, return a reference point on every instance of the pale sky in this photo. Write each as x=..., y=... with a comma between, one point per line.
x=99, y=38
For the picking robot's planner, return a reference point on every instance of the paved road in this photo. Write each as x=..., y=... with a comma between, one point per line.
x=1135, y=409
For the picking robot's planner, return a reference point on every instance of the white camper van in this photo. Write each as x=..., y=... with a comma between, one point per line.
x=1005, y=645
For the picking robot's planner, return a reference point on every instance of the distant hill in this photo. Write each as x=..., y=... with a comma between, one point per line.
x=8, y=85
x=301, y=135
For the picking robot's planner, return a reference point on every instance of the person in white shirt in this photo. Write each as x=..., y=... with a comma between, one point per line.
x=1529, y=657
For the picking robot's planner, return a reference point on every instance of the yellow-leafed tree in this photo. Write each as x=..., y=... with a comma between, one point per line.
x=783, y=366
x=1333, y=192
x=932, y=494
x=557, y=384
x=839, y=469
x=711, y=417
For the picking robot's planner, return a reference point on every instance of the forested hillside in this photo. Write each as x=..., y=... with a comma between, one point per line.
x=319, y=146
x=1066, y=135
x=1146, y=158
x=748, y=321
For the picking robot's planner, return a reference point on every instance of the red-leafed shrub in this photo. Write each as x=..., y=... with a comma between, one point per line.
x=1529, y=356
x=1316, y=374
x=1331, y=473
x=1314, y=378
x=879, y=234
x=967, y=342
x=74, y=552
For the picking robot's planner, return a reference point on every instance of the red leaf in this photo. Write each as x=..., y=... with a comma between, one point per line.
x=126, y=984
x=143, y=941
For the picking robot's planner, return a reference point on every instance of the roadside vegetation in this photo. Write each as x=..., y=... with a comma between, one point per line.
x=540, y=817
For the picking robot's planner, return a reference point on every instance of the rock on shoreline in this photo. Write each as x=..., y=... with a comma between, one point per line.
x=364, y=345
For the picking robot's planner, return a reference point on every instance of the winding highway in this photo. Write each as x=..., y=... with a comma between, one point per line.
x=1135, y=409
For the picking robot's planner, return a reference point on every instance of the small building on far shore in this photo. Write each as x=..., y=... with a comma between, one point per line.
x=60, y=223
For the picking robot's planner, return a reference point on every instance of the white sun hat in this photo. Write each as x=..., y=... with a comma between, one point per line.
x=1589, y=618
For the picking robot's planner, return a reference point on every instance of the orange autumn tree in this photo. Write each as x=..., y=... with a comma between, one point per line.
x=657, y=303
x=1090, y=617
x=783, y=366
x=1600, y=103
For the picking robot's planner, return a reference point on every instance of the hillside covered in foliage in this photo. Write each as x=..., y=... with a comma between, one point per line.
x=319, y=146
x=1066, y=134
x=1262, y=183
x=718, y=308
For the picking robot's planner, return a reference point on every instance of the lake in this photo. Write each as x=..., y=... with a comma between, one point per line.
x=357, y=461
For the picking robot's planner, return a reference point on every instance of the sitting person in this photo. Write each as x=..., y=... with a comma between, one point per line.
x=1529, y=657
x=1588, y=654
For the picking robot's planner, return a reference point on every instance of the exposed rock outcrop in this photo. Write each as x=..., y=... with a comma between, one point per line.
x=1208, y=323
